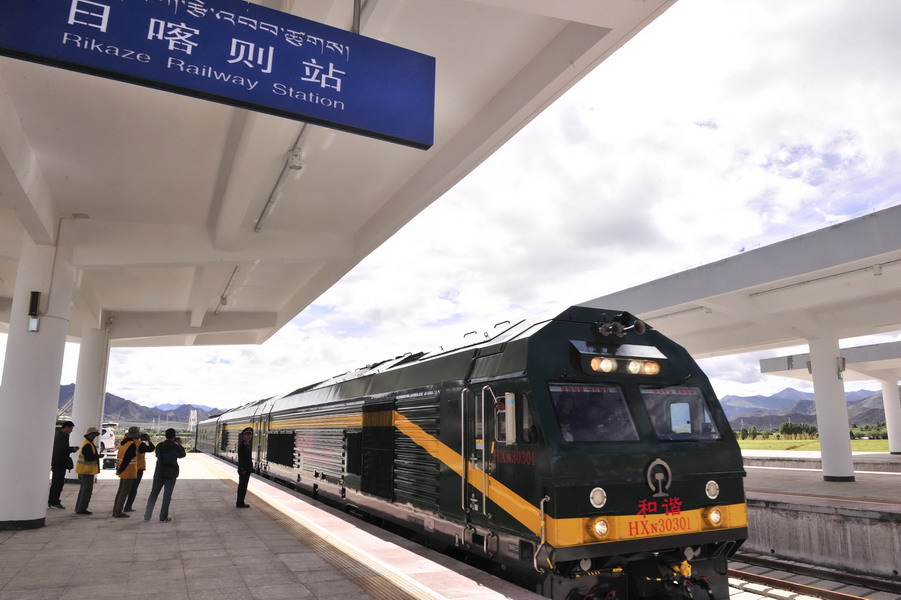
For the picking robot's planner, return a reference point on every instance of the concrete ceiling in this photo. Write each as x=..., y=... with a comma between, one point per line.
x=180, y=215
x=839, y=282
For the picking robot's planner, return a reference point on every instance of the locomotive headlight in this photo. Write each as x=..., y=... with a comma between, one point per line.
x=634, y=367
x=599, y=528
x=712, y=489
x=650, y=367
x=714, y=516
x=598, y=497
x=603, y=364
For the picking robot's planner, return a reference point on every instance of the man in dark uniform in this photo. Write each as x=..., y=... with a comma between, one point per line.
x=60, y=462
x=245, y=465
x=167, y=454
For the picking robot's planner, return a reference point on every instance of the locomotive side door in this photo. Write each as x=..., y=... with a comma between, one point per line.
x=474, y=444
x=262, y=437
x=489, y=419
x=378, y=449
x=224, y=441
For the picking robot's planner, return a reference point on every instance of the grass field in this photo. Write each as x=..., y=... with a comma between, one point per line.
x=856, y=445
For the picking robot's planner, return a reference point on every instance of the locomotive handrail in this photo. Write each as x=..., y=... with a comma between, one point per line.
x=463, y=471
x=543, y=535
x=485, y=446
x=466, y=527
x=485, y=540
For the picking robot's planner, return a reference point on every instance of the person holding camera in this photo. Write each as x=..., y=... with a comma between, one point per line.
x=143, y=446
x=166, y=473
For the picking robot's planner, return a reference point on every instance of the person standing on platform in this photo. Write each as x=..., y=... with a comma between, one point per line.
x=87, y=468
x=245, y=465
x=60, y=462
x=143, y=446
x=126, y=469
x=166, y=473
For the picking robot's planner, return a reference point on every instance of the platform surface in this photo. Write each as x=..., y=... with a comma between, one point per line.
x=288, y=546
x=772, y=474
x=284, y=546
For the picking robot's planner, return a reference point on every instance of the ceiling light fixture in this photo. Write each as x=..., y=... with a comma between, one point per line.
x=292, y=163
x=223, y=297
x=295, y=159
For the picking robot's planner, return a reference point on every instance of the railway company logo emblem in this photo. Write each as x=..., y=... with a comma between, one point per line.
x=660, y=477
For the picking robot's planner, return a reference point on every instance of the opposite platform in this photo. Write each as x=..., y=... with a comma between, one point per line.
x=284, y=546
x=849, y=526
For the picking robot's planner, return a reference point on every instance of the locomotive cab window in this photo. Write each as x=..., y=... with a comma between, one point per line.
x=500, y=422
x=592, y=413
x=679, y=413
x=529, y=429
x=513, y=421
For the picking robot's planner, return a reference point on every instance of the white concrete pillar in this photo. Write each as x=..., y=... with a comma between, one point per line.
x=892, y=404
x=832, y=411
x=90, y=385
x=29, y=393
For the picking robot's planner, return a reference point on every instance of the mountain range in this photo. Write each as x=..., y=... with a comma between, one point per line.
x=125, y=412
x=769, y=412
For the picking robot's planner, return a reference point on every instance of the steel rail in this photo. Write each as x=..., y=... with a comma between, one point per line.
x=864, y=581
x=790, y=586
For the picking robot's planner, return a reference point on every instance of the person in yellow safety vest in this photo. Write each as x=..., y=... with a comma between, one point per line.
x=143, y=446
x=126, y=469
x=87, y=467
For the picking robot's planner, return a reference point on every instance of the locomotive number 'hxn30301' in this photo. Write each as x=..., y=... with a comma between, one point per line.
x=585, y=456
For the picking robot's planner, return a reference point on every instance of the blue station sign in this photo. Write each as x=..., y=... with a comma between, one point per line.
x=237, y=53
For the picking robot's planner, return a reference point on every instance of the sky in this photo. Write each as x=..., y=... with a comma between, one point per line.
x=723, y=126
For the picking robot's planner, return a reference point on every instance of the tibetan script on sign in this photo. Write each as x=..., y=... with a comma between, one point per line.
x=237, y=53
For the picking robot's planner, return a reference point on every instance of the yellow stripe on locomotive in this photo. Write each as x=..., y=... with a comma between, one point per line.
x=567, y=532
x=563, y=533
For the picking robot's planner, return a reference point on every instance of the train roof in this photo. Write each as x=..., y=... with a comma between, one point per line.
x=487, y=343
x=519, y=330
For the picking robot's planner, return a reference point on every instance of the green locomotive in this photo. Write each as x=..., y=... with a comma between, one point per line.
x=584, y=456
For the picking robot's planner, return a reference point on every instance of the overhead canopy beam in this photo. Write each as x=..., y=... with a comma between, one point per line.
x=135, y=325
x=100, y=245
x=21, y=179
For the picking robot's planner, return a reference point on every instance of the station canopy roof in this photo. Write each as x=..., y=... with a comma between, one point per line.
x=182, y=217
x=838, y=282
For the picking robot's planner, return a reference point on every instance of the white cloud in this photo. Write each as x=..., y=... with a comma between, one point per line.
x=723, y=125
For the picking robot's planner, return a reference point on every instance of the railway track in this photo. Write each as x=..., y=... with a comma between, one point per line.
x=827, y=585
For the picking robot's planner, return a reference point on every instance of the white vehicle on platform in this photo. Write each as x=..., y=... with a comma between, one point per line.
x=107, y=438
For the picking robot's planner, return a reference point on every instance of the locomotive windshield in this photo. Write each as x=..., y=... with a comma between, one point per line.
x=679, y=413
x=591, y=413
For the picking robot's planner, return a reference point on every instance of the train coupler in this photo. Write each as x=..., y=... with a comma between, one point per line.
x=605, y=584
x=595, y=593
x=684, y=587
